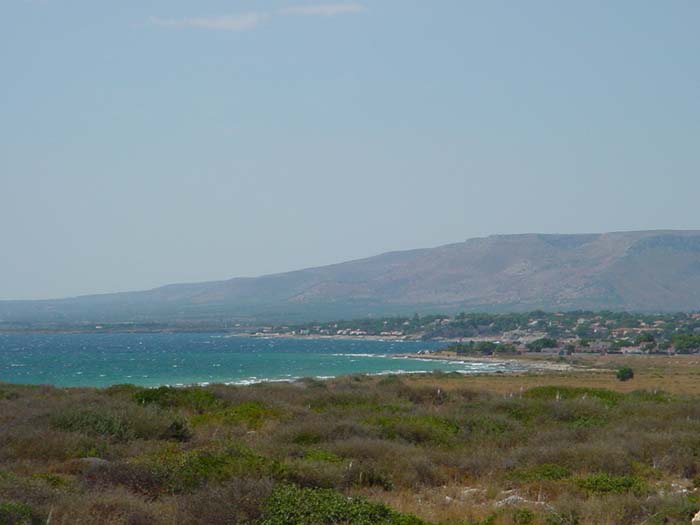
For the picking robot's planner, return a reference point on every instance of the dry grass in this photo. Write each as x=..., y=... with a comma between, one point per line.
x=675, y=374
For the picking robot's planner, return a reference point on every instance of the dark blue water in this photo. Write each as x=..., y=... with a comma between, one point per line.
x=195, y=358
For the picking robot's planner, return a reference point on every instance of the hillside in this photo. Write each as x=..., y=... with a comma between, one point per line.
x=640, y=271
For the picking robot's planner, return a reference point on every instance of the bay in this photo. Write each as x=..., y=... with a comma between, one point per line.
x=152, y=359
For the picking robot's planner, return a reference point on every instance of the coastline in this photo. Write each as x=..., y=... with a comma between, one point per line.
x=532, y=363
x=321, y=337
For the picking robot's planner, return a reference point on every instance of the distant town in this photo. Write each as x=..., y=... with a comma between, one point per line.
x=565, y=333
x=467, y=333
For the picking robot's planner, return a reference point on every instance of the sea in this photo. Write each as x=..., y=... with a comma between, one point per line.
x=154, y=359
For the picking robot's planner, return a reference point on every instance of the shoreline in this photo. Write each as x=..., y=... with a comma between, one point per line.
x=532, y=363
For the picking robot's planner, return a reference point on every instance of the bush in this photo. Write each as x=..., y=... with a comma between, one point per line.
x=322, y=455
x=95, y=424
x=239, y=500
x=651, y=396
x=607, y=484
x=250, y=413
x=16, y=514
x=349, y=401
x=624, y=373
x=307, y=438
x=183, y=471
x=196, y=399
x=113, y=507
x=177, y=431
x=418, y=429
x=390, y=380
x=291, y=505
x=123, y=389
x=122, y=426
x=368, y=475
x=608, y=397
x=140, y=479
x=568, y=518
x=427, y=395
x=386, y=464
x=546, y=471
x=523, y=517
x=315, y=474
x=489, y=426
x=8, y=395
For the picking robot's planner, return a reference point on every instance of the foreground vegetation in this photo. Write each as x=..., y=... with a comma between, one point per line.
x=440, y=448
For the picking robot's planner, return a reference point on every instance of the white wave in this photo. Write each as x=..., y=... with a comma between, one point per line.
x=360, y=355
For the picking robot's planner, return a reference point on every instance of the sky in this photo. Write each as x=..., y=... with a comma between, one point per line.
x=152, y=142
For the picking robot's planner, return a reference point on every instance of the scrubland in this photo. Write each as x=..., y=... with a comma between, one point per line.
x=551, y=448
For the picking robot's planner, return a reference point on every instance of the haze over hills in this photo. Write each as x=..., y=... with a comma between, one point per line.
x=647, y=271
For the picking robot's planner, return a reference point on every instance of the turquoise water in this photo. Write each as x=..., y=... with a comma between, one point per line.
x=195, y=358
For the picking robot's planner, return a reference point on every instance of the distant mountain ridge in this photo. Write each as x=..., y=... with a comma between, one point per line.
x=647, y=271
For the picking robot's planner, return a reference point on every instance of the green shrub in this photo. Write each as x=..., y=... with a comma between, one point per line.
x=523, y=517
x=307, y=438
x=351, y=401
x=8, y=395
x=563, y=518
x=122, y=426
x=418, y=429
x=624, y=373
x=587, y=421
x=95, y=424
x=675, y=510
x=524, y=411
x=608, y=397
x=651, y=396
x=322, y=455
x=606, y=484
x=583, y=413
x=140, y=479
x=426, y=395
x=367, y=475
x=390, y=380
x=250, y=413
x=183, y=471
x=16, y=514
x=237, y=501
x=178, y=431
x=52, y=480
x=546, y=471
x=291, y=505
x=123, y=389
x=315, y=474
x=196, y=399
x=488, y=425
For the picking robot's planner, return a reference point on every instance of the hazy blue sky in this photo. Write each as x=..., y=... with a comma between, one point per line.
x=151, y=142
